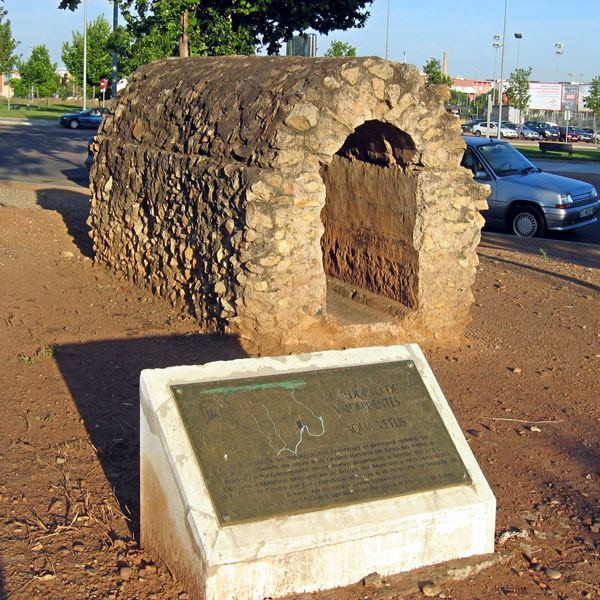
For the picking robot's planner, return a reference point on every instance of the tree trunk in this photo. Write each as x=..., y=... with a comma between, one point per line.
x=183, y=39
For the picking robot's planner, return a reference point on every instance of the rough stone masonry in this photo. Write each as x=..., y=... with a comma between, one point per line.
x=266, y=194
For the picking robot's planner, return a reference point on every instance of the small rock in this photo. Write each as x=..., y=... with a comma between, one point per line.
x=119, y=544
x=514, y=370
x=125, y=573
x=536, y=566
x=474, y=432
x=60, y=460
x=535, y=429
x=430, y=589
x=67, y=254
x=37, y=547
x=595, y=528
x=47, y=577
x=90, y=570
x=553, y=574
x=78, y=547
x=183, y=596
x=373, y=580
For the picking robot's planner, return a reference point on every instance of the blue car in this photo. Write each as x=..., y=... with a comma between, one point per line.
x=88, y=119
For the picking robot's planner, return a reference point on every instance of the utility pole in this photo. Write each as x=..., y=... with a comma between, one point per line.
x=84, y=54
x=502, y=70
x=496, y=44
x=115, y=59
x=559, y=50
x=387, y=31
x=518, y=37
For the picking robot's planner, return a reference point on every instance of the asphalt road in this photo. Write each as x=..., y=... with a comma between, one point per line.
x=44, y=155
x=55, y=156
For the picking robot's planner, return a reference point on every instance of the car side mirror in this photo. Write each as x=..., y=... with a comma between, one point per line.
x=481, y=175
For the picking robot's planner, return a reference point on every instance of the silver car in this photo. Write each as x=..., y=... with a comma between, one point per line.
x=523, y=198
x=492, y=131
x=525, y=133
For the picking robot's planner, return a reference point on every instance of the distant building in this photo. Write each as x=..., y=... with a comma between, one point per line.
x=472, y=87
x=6, y=90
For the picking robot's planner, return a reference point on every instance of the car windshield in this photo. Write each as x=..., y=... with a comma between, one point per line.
x=505, y=160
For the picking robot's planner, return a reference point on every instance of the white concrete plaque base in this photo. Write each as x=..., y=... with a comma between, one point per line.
x=303, y=552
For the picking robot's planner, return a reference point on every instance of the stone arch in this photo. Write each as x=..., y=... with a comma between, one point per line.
x=208, y=187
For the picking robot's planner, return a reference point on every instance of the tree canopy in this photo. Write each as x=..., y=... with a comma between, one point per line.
x=8, y=44
x=592, y=100
x=99, y=59
x=518, y=88
x=38, y=72
x=158, y=28
x=337, y=48
x=435, y=75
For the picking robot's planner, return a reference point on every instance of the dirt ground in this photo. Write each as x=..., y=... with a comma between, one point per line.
x=73, y=339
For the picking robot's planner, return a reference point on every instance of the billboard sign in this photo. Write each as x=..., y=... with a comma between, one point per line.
x=569, y=97
x=545, y=96
x=584, y=92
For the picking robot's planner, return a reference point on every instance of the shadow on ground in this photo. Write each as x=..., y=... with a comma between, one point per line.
x=103, y=378
x=586, y=255
x=559, y=276
x=74, y=208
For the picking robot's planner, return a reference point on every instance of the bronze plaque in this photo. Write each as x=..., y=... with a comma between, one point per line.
x=291, y=443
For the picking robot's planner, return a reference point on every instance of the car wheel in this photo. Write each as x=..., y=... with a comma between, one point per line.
x=478, y=133
x=74, y=124
x=527, y=222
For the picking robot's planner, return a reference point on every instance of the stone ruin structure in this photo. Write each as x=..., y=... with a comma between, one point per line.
x=297, y=202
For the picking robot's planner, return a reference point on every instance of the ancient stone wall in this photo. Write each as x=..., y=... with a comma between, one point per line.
x=216, y=179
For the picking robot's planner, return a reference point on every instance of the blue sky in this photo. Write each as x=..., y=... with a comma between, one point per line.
x=424, y=29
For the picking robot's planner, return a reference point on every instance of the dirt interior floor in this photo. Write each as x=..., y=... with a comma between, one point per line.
x=73, y=339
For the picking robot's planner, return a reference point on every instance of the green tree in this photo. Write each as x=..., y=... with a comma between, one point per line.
x=99, y=58
x=337, y=48
x=8, y=59
x=158, y=28
x=592, y=101
x=433, y=70
x=518, y=89
x=37, y=73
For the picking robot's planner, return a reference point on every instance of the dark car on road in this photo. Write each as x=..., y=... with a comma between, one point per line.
x=523, y=198
x=585, y=135
x=546, y=131
x=88, y=119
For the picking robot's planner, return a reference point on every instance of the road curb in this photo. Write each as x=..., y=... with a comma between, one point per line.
x=29, y=122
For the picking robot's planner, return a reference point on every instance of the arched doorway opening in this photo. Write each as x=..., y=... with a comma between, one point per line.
x=369, y=218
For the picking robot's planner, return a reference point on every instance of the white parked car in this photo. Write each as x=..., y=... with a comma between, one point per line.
x=492, y=131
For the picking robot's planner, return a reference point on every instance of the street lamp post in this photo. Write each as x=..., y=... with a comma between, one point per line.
x=387, y=30
x=84, y=54
x=501, y=90
x=115, y=63
x=518, y=37
x=497, y=43
x=559, y=50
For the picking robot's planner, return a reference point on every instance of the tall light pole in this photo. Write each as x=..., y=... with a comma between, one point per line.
x=502, y=70
x=559, y=50
x=84, y=54
x=519, y=37
x=387, y=30
x=497, y=43
x=115, y=60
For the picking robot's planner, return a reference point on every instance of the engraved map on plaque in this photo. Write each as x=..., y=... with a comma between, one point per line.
x=298, y=442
